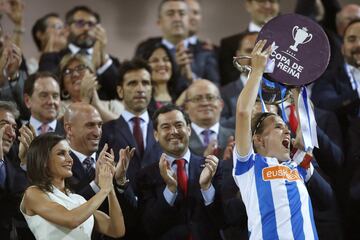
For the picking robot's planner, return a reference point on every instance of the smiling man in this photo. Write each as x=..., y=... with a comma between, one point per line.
x=83, y=124
x=180, y=193
x=42, y=97
x=204, y=106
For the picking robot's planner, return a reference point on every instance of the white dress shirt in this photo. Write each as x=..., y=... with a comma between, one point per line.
x=143, y=123
x=37, y=125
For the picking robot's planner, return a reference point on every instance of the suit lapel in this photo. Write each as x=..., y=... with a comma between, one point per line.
x=195, y=143
x=150, y=141
x=126, y=133
x=77, y=167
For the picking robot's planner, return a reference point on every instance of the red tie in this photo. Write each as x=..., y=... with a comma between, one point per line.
x=181, y=175
x=138, y=134
x=182, y=180
x=293, y=122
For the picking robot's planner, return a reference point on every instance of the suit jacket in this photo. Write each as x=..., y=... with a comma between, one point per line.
x=10, y=197
x=188, y=215
x=228, y=47
x=107, y=80
x=80, y=181
x=230, y=93
x=197, y=147
x=204, y=64
x=117, y=135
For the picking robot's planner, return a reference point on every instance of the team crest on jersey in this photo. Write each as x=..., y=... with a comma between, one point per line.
x=280, y=172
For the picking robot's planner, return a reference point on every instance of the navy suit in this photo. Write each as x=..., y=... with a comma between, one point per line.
x=188, y=215
x=80, y=180
x=117, y=135
x=10, y=197
x=107, y=80
x=228, y=48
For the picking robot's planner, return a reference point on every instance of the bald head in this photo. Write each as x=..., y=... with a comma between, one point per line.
x=203, y=103
x=77, y=108
x=83, y=127
x=347, y=14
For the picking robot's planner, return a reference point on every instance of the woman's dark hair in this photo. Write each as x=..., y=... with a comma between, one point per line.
x=171, y=83
x=257, y=126
x=38, y=157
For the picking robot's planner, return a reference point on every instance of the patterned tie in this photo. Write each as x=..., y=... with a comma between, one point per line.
x=181, y=175
x=138, y=134
x=2, y=174
x=206, y=136
x=44, y=128
x=88, y=167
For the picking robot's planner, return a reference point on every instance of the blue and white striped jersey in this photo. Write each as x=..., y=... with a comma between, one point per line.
x=276, y=199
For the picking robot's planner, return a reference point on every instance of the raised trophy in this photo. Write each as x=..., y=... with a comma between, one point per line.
x=301, y=54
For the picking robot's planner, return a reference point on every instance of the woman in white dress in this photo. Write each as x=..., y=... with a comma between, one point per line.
x=51, y=210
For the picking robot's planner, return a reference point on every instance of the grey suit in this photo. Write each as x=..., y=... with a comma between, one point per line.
x=197, y=147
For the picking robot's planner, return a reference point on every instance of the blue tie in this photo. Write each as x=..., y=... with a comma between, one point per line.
x=2, y=174
x=88, y=167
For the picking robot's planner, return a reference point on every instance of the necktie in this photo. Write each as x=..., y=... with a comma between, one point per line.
x=44, y=128
x=293, y=122
x=2, y=174
x=138, y=134
x=88, y=167
x=181, y=175
x=206, y=136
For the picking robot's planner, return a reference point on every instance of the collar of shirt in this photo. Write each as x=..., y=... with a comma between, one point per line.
x=75, y=49
x=253, y=27
x=193, y=39
x=37, y=124
x=128, y=116
x=171, y=159
x=81, y=156
x=214, y=128
x=171, y=46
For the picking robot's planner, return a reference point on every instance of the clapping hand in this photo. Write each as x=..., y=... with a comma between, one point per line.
x=105, y=177
x=125, y=155
x=105, y=158
x=167, y=174
x=211, y=163
x=27, y=135
x=184, y=58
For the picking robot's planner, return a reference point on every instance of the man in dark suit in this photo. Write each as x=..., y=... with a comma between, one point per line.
x=134, y=129
x=261, y=11
x=88, y=37
x=42, y=97
x=180, y=193
x=13, y=180
x=338, y=90
x=231, y=91
x=194, y=58
x=203, y=104
x=82, y=124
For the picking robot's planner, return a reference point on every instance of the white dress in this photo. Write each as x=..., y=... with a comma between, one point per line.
x=45, y=230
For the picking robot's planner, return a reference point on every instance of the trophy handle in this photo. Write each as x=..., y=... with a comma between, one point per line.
x=310, y=37
x=293, y=31
x=241, y=68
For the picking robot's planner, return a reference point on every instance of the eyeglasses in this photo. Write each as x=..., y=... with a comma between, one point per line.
x=82, y=23
x=78, y=69
x=56, y=26
x=200, y=98
x=263, y=1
